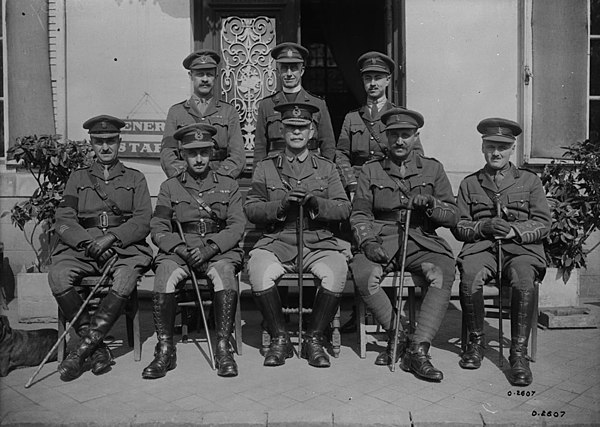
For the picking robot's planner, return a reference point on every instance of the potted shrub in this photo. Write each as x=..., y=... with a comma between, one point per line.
x=50, y=160
x=572, y=186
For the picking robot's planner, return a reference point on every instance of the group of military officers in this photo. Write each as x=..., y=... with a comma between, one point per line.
x=199, y=221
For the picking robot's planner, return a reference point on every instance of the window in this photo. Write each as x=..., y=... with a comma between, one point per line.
x=594, y=74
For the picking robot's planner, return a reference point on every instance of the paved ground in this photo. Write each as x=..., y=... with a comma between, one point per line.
x=353, y=392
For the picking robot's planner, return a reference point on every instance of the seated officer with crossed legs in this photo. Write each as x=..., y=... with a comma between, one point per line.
x=105, y=211
x=282, y=182
x=524, y=222
x=209, y=207
x=384, y=189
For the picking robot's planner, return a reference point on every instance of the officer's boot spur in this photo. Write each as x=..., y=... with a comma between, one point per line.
x=104, y=317
x=165, y=356
x=473, y=312
x=521, y=314
x=225, y=302
x=280, y=348
x=324, y=308
x=385, y=357
x=416, y=360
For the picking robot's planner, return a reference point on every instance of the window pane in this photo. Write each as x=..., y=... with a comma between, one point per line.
x=594, y=120
x=595, y=17
x=594, y=67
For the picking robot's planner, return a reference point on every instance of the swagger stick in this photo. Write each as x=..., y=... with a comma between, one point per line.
x=197, y=289
x=107, y=269
x=399, y=295
x=300, y=273
x=499, y=283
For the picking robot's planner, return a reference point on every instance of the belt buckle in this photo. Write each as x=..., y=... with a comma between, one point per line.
x=103, y=220
x=202, y=227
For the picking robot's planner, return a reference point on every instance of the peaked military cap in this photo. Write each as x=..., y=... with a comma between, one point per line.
x=202, y=59
x=377, y=62
x=104, y=126
x=289, y=52
x=296, y=113
x=401, y=118
x=499, y=130
x=196, y=135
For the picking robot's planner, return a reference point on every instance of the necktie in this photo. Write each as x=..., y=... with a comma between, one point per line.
x=374, y=110
x=106, y=173
x=498, y=179
x=202, y=106
x=402, y=170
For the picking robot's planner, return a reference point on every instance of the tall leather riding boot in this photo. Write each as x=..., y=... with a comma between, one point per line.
x=164, y=308
x=69, y=302
x=105, y=316
x=473, y=312
x=385, y=357
x=280, y=348
x=324, y=308
x=225, y=303
x=416, y=360
x=521, y=313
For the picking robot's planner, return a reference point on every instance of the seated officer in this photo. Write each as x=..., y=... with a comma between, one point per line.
x=524, y=221
x=209, y=208
x=384, y=189
x=269, y=137
x=363, y=137
x=105, y=211
x=282, y=182
x=227, y=157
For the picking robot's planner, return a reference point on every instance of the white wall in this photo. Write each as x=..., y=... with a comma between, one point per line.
x=461, y=66
x=119, y=50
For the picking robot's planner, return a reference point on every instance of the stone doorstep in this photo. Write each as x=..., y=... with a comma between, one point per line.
x=568, y=317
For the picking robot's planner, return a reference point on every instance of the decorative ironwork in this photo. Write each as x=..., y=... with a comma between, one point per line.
x=248, y=72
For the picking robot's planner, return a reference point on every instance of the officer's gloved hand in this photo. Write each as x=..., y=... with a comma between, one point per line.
x=375, y=252
x=310, y=201
x=99, y=245
x=183, y=253
x=423, y=201
x=205, y=253
x=494, y=228
x=105, y=256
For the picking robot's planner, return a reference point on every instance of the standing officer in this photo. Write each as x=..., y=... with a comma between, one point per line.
x=523, y=224
x=228, y=157
x=363, y=137
x=280, y=183
x=384, y=189
x=269, y=136
x=209, y=208
x=105, y=211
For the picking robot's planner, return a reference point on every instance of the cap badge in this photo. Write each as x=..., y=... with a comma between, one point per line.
x=290, y=53
x=103, y=125
x=373, y=61
x=296, y=112
x=203, y=59
x=199, y=136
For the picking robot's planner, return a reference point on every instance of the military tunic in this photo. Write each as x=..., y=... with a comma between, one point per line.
x=128, y=189
x=269, y=137
x=223, y=117
x=524, y=203
x=224, y=226
x=272, y=179
x=357, y=144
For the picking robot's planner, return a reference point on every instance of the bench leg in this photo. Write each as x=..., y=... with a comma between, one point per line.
x=336, y=338
x=63, y=345
x=360, y=325
x=238, y=326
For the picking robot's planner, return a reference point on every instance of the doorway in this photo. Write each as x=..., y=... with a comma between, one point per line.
x=336, y=34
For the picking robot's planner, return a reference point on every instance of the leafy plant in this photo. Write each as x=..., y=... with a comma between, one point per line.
x=572, y=187
x=50, y=161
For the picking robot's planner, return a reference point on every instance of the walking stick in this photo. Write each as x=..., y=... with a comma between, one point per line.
x=399, y=295
x=107, y=269
x=197, y=289
x=499, y=282
x=300, y=273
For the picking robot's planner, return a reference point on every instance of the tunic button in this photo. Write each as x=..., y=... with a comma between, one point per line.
x=371, y=138
x=372, y=123
x=106, y=182
x=299, y=182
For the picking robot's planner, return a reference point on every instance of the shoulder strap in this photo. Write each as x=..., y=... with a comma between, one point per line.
x=201, y=203
x=107, y=200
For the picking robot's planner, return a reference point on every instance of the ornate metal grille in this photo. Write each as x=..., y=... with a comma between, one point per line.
x=248, y=72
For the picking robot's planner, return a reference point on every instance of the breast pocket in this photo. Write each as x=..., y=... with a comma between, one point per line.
x=360, y=139
x=319, y=186
x=519, y=202
x=88, y=200
x=481, y=206
x=123, y=197
x=275, y=190
x=185, y=210
x=421, y=185
x=222, y=130
x=274, y=126
x=218, y=200
x=385, y=195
